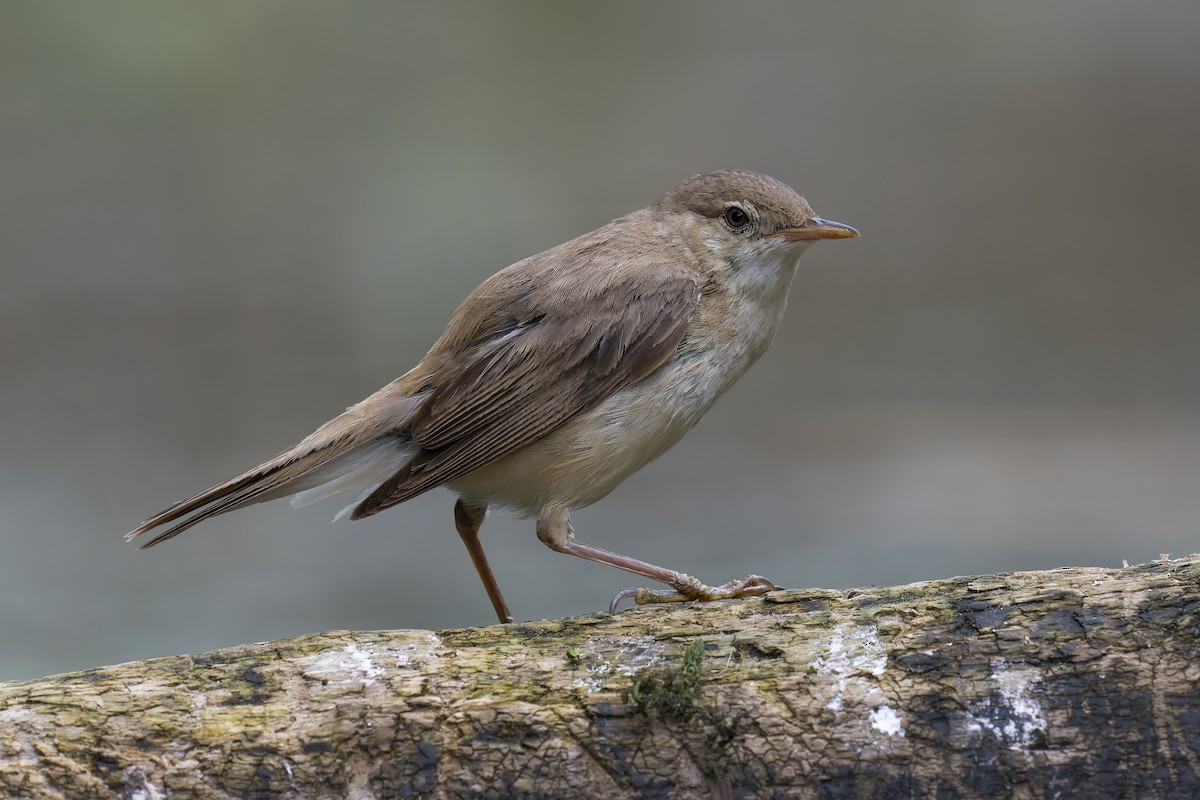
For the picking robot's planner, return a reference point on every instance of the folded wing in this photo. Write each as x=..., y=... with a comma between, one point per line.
x=553, y=357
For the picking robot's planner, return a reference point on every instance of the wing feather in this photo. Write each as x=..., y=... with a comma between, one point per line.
x=557, y=361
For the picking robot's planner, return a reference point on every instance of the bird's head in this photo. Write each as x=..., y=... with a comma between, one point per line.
x=744, y=217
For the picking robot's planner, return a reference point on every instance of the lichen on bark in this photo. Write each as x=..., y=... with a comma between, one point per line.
x=1065, y=682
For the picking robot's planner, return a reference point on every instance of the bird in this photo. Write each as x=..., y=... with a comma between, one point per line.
x=560, y=376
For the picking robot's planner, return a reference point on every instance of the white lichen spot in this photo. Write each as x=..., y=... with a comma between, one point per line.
x=416, y=651
x=852, y=652
x=139, y=787
x=291, y=774
x=351, y=664
x=143, y=688
x=1015, y=717
x=21, y=748
x=1015, y=688
x=590, y=682
x=886, y=720
x=614, y=655
x=362, y=661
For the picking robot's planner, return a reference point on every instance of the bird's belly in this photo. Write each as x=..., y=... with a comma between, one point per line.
x=585, y=459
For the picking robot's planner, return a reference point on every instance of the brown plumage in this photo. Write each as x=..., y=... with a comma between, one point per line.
x=562, y=374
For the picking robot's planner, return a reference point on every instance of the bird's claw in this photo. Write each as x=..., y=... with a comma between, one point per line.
x=688, y=588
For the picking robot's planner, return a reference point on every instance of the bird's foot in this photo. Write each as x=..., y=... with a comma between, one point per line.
x=687, y=588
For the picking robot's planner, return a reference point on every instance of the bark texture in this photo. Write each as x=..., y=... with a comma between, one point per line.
x=1065, y=683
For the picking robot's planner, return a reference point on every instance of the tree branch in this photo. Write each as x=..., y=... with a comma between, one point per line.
x=1072, y=682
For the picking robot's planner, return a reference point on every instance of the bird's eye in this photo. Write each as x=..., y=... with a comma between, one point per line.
x=737, y=218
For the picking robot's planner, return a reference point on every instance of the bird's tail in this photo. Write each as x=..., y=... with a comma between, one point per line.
x=351, y=454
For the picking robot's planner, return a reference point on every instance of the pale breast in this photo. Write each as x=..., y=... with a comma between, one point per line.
x=585, y=459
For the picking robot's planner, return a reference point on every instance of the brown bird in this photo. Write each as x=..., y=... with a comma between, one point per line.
x=561, y=375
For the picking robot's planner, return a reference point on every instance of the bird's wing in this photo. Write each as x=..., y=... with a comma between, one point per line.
x=548, y=351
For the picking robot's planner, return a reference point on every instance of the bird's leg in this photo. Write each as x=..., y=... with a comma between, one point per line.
x=750, y=586
x=467, y=519
x=554, y=530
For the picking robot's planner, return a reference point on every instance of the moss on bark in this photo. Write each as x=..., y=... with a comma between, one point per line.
x=1066, y=682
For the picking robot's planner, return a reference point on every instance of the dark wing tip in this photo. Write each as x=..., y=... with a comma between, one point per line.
x=385, y=495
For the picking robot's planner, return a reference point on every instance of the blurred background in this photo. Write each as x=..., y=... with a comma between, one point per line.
x=222, y=223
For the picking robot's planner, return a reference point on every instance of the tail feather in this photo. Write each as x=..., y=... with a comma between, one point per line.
x=352, y=453
x=270, y=476
x=227, y=502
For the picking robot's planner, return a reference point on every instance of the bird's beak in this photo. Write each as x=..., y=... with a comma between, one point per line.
x=817, y=228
